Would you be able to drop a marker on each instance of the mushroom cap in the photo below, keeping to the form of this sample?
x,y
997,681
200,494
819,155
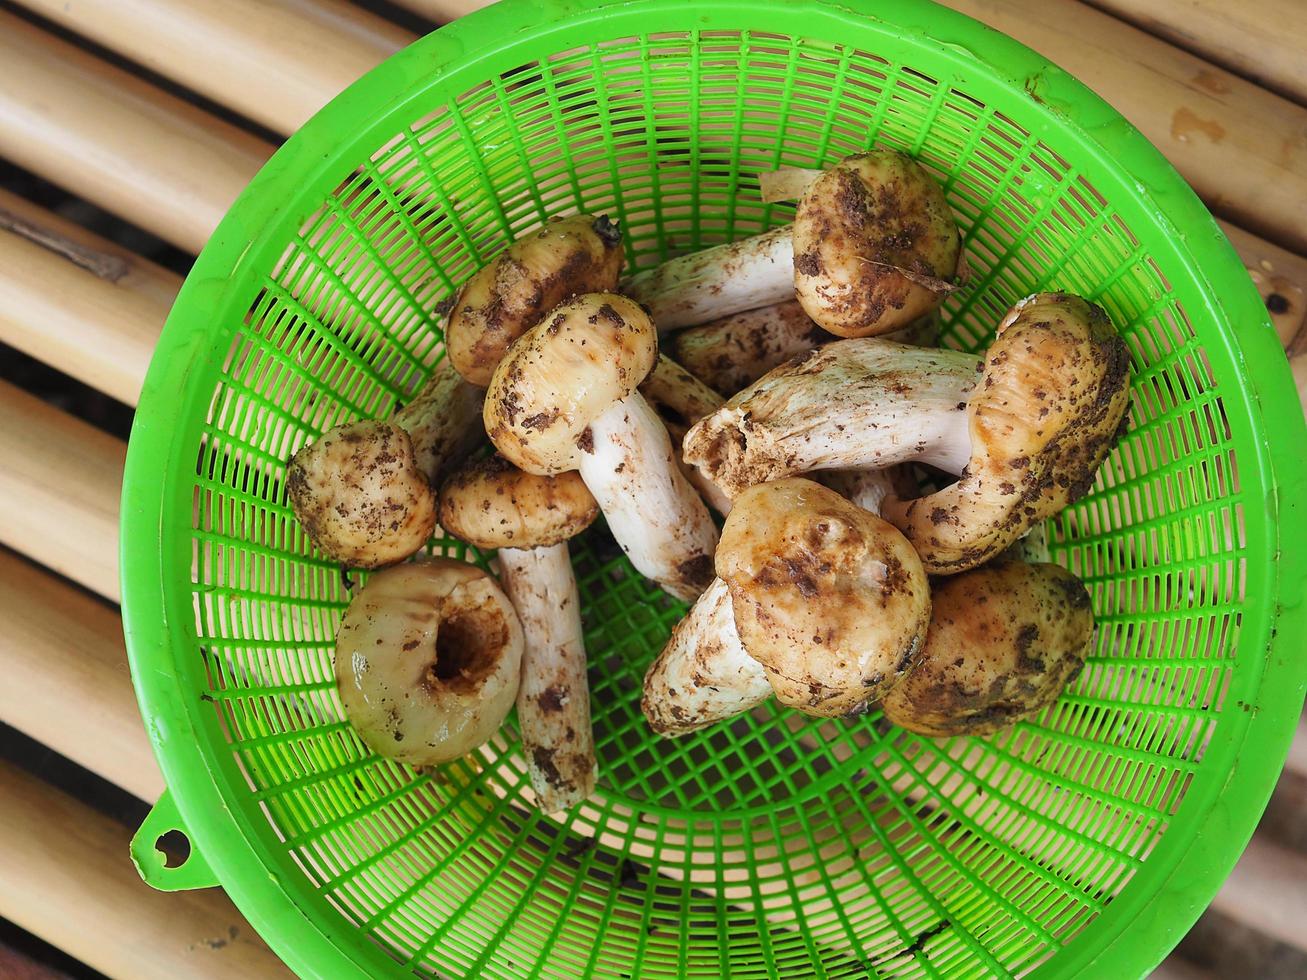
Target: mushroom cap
x,y
577,254
490,503
829,598
587,353
1048,408
875,244
1004,640
359,495
428,660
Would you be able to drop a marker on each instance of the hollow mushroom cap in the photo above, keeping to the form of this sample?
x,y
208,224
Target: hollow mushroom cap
x,y
587,353
1049,406
428,660
875,244
577,254
1004,640
492,504
359,495
829,598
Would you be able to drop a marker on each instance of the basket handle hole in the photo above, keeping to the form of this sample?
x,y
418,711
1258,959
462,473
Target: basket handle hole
x,y
175,848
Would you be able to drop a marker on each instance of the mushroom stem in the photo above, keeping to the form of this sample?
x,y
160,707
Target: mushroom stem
x,y
853,404
553,701
443,420
692,289
732,353
681,400
703,675
628,463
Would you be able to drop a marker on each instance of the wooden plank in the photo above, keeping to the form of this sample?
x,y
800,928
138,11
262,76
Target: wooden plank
x,y
274,61
61,483
117,141
67,879
66,678
1264,40
77,301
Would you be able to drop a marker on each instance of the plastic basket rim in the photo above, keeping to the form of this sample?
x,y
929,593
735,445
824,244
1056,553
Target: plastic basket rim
x,y
1133,933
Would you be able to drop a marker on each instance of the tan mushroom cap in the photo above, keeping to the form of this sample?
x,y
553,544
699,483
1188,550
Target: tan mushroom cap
x,y
578,254
586,354
830,599
875,245
359,495
1050,405
492,504
1004,641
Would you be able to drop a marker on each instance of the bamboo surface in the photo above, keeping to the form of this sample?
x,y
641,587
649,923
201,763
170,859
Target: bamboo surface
x,y
116,140
67,879
75,300
66,678
274,61
61,483
1265,40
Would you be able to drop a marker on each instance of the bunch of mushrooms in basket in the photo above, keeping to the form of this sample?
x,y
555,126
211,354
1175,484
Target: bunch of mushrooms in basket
x,y
834,586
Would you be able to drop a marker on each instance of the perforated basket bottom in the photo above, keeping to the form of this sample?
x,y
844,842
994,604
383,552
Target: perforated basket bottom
x,y
775,845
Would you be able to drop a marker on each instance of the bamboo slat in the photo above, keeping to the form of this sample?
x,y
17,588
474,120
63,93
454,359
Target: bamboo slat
x,y
1265,891
116,140
77,301
1264,40
273,61
67,879
66,678
61,483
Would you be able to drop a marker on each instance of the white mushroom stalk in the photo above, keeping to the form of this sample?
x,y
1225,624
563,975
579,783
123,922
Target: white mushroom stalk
x,y
1025,428
631,468
717,281
703,675
363,491
853,404
553,702
427,660
731,353
829,602
681,400
565,398
493,504
873,247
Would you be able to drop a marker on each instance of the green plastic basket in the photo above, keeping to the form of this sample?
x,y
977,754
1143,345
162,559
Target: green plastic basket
x,y
1082,843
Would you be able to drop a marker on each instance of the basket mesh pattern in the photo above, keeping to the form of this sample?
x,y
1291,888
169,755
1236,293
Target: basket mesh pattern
x,y
775,846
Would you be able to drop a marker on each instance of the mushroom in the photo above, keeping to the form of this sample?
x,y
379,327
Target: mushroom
x,y
493,504
427,660
681,400
1026,427
564,398
817,601
577,254
873,246
363,491
735,351
1004,640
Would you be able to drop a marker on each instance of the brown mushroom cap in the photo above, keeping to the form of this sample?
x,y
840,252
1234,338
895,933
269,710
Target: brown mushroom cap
x,y
492,504
1049,406
359,495
1004,641
830,599
577,254
874,244
586,354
